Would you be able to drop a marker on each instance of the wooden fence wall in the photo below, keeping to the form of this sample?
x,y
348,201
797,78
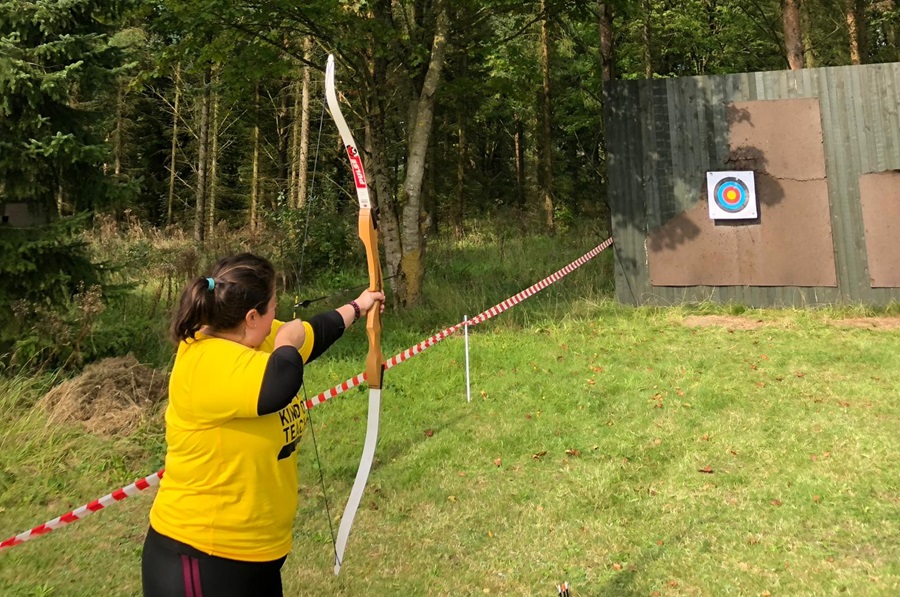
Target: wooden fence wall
x,y
664,135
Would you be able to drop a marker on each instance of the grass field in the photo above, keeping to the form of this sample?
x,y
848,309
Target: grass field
x,y
626,451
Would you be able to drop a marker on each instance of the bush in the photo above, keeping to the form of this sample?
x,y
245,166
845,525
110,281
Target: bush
x,y
47,272
304,246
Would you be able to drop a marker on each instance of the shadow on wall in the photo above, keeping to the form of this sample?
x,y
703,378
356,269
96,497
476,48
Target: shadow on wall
x,y
662,138
696,147
691,178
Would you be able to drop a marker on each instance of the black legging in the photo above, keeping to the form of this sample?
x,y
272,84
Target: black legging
x,y
170,568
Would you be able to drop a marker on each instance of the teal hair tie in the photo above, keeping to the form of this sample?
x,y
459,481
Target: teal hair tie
x,y
210,284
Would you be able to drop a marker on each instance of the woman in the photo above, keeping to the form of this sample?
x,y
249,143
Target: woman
x,y
221,522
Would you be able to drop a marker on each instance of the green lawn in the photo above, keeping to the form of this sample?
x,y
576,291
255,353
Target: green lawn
x,y
617,449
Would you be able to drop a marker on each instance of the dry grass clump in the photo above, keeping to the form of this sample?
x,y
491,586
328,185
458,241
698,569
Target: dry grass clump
x,y
110,398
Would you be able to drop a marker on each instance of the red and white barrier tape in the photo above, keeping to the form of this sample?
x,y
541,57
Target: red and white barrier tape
x,y
480,318
153,480
86,510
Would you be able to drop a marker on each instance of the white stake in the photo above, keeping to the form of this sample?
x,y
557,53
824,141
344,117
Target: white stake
x,y
468,384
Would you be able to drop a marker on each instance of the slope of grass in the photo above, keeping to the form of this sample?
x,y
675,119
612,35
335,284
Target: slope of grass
x,y
617,449
627,453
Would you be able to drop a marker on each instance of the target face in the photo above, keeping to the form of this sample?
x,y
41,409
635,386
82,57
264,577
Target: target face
x,y
732,195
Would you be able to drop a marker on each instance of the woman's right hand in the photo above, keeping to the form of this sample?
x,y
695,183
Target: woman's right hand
x,y
292,333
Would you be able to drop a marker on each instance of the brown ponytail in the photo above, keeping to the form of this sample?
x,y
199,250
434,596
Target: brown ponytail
x,y
238,284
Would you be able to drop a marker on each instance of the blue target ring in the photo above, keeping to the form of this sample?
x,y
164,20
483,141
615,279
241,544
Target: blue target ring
x,y
732,195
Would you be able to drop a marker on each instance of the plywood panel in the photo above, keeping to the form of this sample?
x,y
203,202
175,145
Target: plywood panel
x,y
758,131
880,199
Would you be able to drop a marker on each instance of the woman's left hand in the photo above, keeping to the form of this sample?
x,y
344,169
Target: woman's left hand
x,y
367,299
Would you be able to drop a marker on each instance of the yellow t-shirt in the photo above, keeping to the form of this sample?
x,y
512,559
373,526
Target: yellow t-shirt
x,y
230,486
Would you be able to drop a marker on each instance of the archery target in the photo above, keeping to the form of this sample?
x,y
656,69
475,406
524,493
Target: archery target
x,y
732,195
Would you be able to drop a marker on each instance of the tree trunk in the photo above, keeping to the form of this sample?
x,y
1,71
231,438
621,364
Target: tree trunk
x,y
647,38
546,147
60,195
607,56
459,205
303,159
294,149
457,210
607,45
432,219
119,139
412,263
793,34
213,170
254,182
856,20
853,32
712,28
173,154
892,28
283,127
809,57
378,170
201,191
520,162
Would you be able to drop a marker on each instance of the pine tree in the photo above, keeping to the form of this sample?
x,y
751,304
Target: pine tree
x,y
56,69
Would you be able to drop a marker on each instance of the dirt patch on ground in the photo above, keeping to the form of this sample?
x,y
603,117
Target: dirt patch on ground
x,y
736,322
110,398
731,322
874,323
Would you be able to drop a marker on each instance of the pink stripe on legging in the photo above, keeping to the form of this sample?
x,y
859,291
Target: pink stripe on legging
x,y
186,574
195,568
190,569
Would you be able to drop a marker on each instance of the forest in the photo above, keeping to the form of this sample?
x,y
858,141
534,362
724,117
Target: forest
x,y
686,449
204,121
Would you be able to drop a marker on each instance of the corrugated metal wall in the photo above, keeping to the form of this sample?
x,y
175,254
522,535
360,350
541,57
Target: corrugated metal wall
x,y
663,136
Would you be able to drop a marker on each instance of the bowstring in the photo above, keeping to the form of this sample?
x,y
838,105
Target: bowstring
x,y
312,198
312,432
